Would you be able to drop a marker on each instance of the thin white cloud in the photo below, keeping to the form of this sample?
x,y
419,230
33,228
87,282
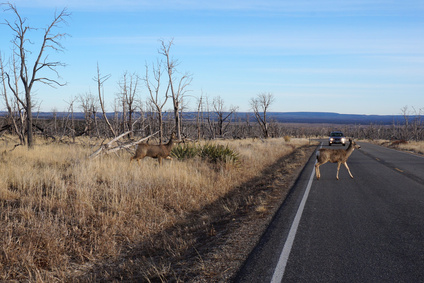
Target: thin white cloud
x,y
286,44
414,71
344,86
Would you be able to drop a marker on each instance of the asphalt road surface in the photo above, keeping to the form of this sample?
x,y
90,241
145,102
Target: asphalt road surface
x,y
366,229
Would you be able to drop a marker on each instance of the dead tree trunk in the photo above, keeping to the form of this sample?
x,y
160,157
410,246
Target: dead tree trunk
x,y
29,76
260,105
178,92
154,88
100,81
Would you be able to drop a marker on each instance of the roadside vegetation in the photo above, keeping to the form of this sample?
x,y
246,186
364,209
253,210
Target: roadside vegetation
x,y
63,215
414,146
411,146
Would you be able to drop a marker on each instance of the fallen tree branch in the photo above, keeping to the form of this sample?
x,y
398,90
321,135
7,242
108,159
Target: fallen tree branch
x,y
107,148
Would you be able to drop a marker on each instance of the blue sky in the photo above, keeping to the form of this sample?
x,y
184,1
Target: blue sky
x,y
351,57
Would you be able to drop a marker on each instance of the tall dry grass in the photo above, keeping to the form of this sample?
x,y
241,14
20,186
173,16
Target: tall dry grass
x,y
414,146
61,212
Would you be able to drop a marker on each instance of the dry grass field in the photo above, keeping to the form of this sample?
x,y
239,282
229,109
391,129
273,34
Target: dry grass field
x,y
414,146
411,146
65,217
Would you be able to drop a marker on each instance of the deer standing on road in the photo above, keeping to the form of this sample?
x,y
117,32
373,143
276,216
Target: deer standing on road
x,y
160,152
335,155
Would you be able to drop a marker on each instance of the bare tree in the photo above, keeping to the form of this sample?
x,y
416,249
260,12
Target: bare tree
x,y
417,125
199,117
28,75
127,99
412,128
88,104
180,88
100,80
223,115
140,107
155,99
405,114
121,102
16,117
70,117
210,120
130,97
260,105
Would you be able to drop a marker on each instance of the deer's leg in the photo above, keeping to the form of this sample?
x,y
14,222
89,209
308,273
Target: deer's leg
x,y
338,169
348,170
317,172
160,160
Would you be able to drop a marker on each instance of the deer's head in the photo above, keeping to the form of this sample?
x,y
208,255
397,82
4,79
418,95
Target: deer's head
x,y
354,144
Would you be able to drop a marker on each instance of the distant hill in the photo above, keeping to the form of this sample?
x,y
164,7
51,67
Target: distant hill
x,y
283,117
326,117
335,118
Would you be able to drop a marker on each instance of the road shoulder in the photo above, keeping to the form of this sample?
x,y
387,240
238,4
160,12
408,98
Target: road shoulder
x,y
263,259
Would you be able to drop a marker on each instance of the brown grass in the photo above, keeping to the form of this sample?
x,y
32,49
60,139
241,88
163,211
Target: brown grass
x,y
414,146
63,215
411,146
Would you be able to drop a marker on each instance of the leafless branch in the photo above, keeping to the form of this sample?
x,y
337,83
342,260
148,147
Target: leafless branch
x,y
51,41
100,81
107,148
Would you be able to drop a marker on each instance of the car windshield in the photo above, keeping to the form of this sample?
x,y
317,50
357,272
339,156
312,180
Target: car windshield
x,y
336,135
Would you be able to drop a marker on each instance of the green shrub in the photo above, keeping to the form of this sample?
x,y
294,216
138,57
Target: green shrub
x,y
219,153
185,151
210,152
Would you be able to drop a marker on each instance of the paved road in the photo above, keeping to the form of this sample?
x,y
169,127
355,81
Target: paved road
x,y
366,229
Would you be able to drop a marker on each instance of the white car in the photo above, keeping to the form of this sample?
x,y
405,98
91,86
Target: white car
x,y
337,138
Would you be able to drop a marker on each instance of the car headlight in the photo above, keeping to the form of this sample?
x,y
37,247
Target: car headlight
x,y
343,139
331,139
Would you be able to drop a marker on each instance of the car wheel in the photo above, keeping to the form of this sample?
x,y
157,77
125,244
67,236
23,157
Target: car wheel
x,y
329,144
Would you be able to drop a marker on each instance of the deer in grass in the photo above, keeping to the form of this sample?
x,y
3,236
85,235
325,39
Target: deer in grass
x,y
160,152
335,155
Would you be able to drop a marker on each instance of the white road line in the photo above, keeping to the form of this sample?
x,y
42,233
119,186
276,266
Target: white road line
x,y
284,257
